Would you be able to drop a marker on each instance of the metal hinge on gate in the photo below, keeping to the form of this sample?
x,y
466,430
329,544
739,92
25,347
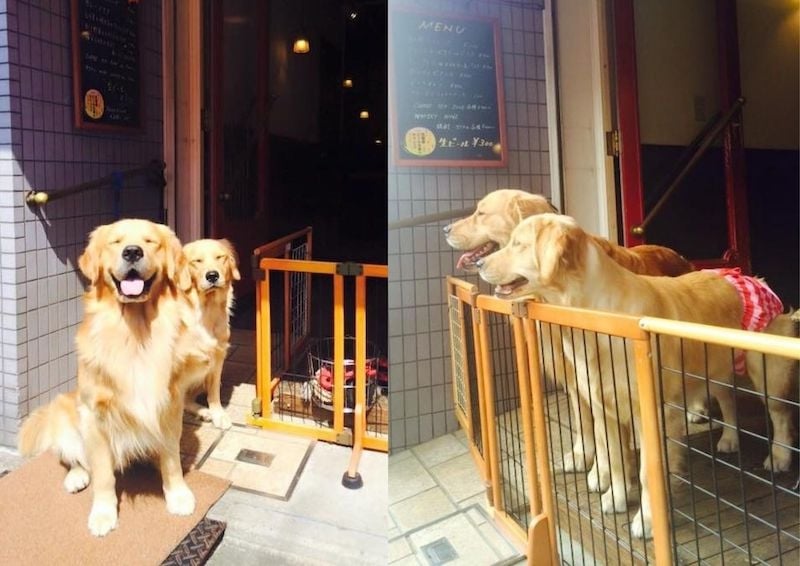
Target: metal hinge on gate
x,y
612,143
349,269
258,273
255,406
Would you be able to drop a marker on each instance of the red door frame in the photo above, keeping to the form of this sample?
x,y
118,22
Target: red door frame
x,y
738,252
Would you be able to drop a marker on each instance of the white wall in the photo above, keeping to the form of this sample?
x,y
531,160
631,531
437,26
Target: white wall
x,y
677,66
769,36
584,112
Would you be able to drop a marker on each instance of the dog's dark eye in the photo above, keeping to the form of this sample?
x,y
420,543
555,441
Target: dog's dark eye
x,y
196,261
115,241
479,213
220,258
149,241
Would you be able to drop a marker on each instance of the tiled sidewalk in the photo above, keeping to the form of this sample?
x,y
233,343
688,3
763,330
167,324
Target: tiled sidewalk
x,y
437,509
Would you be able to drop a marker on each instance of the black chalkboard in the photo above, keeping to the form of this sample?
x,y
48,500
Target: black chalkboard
x,y
447,103
105,64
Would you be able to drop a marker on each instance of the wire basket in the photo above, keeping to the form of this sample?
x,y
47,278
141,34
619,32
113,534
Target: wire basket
x,y
320,371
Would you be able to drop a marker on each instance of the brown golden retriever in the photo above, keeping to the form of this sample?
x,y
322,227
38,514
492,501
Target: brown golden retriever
x,y
140,347
499,212
213,267
550,256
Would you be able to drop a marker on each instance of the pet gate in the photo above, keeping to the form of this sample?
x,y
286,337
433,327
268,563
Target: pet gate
x,y
312,377
719,508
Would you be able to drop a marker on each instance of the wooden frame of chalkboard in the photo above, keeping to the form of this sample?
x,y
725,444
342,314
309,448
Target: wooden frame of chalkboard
x,y
105,98
453,112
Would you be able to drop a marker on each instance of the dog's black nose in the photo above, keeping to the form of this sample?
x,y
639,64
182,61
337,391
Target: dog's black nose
x,y
479,263
212,276
132,253
447,228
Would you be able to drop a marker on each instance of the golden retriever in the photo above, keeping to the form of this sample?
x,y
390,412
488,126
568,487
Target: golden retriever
x,y
499,212
140,347
213,267
490,227
552,257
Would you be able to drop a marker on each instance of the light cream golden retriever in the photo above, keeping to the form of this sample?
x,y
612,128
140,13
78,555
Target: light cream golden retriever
x,y
550,256
490,227
213,267
140,347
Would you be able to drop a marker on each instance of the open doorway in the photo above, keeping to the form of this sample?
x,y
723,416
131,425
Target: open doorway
x,y
708,152
285,144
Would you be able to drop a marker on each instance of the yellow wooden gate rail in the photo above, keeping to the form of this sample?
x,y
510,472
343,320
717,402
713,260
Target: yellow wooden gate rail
x,y
268,377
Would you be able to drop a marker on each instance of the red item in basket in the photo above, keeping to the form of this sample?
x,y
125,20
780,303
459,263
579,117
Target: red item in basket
x,y
326,376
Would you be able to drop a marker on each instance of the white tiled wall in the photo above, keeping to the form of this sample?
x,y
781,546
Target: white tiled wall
x,y
40,148
419,258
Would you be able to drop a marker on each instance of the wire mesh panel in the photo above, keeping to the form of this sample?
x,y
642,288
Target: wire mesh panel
x,y
504,416
732,452
464,357
594,506
299,295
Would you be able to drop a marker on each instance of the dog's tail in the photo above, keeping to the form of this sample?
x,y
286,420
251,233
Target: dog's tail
x,y
53,426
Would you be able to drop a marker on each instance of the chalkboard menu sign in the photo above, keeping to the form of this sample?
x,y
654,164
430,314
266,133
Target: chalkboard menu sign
x,y
446,101
105,64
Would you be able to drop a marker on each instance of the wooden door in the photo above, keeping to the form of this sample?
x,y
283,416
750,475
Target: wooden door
x,y
237,126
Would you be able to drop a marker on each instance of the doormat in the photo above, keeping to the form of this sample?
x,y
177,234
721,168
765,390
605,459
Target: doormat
x,y
198,546
43,524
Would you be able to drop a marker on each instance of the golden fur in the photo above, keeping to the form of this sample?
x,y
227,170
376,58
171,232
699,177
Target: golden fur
x,y
140,347
550,256
213,268
499,212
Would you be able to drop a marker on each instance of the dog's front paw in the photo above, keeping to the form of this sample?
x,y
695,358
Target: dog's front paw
x,y
102,518
728,442
780,460
597,482
180,500
614,501
641,527
575,462
77,478
220,418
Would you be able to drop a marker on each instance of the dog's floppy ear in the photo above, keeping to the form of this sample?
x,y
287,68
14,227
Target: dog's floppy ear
x,y
89,261
523,207
559,249
177,267
233,261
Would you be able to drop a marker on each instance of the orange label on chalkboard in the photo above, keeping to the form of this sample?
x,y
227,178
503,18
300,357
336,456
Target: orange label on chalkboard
x,y
93,104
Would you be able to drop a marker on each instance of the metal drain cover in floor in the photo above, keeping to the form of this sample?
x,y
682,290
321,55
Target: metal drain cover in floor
x,y
439,552
255,457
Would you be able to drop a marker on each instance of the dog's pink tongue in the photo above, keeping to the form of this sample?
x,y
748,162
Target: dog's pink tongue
x,y
132,287
464,259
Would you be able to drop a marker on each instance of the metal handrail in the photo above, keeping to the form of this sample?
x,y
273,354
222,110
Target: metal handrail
x,y
708,136
155,168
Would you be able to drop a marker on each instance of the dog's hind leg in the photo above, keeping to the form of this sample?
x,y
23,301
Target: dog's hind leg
x,y
779,386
